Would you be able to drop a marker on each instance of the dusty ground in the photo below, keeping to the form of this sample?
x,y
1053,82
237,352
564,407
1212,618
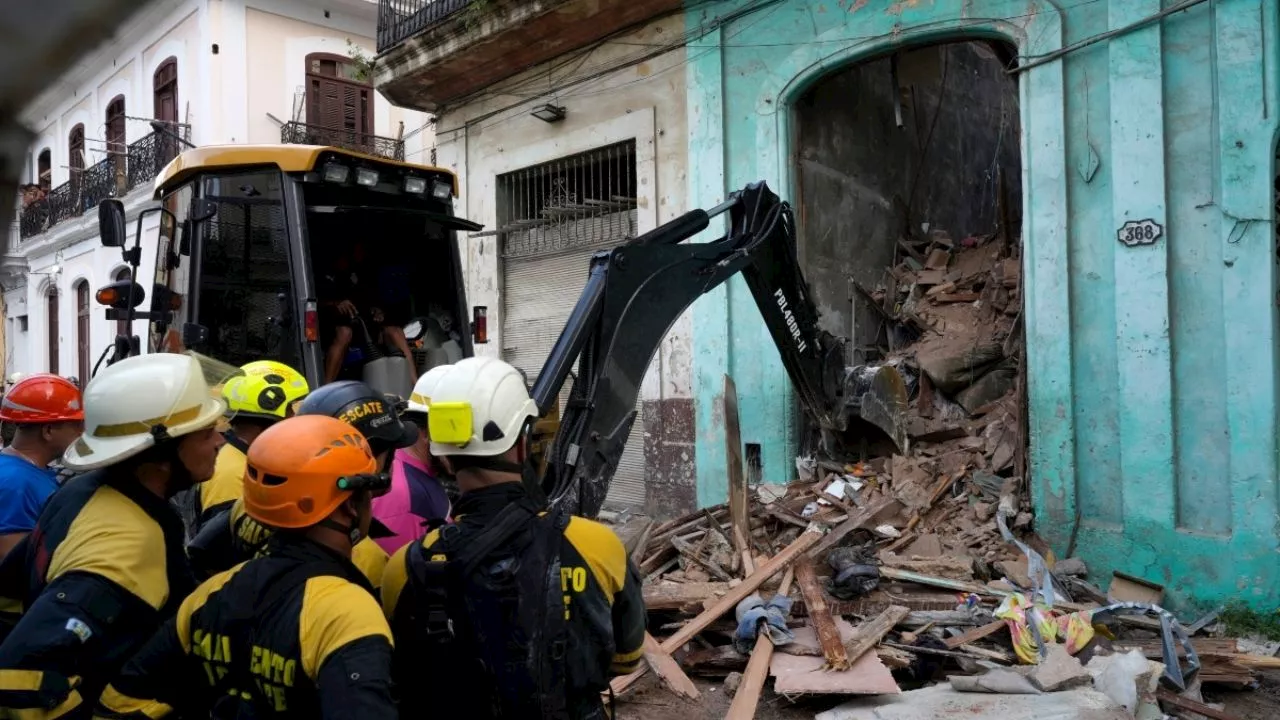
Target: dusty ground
x,y
650,702
1260,704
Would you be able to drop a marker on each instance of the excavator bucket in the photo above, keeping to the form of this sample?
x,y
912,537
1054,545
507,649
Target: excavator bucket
x,y
878,395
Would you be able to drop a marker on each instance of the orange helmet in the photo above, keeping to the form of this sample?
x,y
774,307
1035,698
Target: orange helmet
x,y
42,398
301,469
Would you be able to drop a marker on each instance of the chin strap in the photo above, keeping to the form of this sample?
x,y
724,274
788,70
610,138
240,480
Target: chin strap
x,y
351,531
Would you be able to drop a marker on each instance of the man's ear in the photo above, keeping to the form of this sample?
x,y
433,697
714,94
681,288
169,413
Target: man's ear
x,y
448,466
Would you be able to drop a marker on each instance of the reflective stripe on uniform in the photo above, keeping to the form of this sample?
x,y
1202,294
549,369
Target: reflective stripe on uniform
x,y
114,705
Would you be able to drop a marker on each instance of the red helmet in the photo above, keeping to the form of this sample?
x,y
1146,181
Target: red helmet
x,y
42,398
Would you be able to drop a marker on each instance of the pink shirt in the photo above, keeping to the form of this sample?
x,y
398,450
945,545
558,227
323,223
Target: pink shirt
x,y
415,497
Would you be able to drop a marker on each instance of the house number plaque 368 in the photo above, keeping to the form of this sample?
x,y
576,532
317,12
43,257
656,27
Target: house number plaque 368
x,y
1140,232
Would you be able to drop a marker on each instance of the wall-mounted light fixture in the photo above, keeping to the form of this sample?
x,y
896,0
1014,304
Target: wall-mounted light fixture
x,y
549,113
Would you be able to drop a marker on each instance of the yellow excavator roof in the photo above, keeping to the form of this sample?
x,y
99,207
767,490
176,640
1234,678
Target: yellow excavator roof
x,y
289,158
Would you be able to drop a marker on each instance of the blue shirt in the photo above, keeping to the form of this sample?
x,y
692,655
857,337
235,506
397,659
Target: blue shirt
x,y
24,489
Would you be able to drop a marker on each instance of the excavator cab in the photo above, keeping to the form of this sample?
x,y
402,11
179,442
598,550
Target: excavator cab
x,y
258,244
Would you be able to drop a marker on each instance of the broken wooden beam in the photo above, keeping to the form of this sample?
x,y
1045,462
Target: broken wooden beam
x,y
807,539
1190,705
820,615
974,635
691,553
638,550
738,499
667,669
870,633
858,520
677,596
747,698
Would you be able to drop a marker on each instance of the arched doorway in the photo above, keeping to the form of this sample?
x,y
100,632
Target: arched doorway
x,y
908,180
117,143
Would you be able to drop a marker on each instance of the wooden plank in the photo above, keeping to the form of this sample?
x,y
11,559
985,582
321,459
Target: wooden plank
x,y
1203,646
638,550
968,587
820,615
675,596
1192,706
691,553
860,519
747,698
807,539
667,669
868,634
738,501
974,635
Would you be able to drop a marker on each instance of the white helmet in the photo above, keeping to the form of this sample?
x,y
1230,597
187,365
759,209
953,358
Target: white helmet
x,y
420,398
124,402
478,407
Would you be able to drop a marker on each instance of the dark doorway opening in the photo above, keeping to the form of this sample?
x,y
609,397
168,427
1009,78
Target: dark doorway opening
x,y
909,183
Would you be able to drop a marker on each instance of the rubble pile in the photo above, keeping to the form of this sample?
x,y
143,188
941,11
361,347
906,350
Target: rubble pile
x,y
915,577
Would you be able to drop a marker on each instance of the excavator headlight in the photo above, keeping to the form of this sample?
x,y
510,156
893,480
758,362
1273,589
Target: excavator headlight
x,y
366,177
450,423
442,190
336,172
415,185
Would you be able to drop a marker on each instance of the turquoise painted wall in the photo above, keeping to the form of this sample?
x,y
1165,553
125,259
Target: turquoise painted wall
x,y
1152,370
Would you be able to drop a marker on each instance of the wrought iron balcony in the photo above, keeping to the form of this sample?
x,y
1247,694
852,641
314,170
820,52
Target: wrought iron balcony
x,y
112,177
300,133
436,52
399,20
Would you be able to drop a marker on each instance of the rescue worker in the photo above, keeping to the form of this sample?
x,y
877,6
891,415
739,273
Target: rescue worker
x,y
296,633
417,499
104,565
47,412
510,612
256,400
233,537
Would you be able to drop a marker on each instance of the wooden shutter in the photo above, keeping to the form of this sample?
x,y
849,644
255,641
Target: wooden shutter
x,y
52,308
82,332
165,85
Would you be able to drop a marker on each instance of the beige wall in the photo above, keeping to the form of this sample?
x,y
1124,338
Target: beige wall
x,y
278,47
645,101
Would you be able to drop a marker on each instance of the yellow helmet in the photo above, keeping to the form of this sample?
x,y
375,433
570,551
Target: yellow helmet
x,y
267,390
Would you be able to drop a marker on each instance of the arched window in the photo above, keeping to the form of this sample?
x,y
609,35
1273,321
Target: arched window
x,y
337,97
52,308
122,326
75,152
165,88
82,332
44,169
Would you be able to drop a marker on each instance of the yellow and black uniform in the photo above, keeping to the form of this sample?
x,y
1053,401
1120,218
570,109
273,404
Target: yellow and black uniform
x,y
585,618
296,633
232,537
105,566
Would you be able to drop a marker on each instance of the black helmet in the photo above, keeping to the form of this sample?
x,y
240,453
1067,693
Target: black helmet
x,y
367,410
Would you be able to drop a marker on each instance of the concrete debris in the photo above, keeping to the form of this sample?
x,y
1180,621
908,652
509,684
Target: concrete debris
x,y
909,551
943,701
732,682
1059,671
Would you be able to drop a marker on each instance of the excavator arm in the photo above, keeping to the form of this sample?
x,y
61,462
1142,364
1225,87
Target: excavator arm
x,y
634,294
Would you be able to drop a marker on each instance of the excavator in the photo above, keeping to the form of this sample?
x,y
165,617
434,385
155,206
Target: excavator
x,y
244,231
637,290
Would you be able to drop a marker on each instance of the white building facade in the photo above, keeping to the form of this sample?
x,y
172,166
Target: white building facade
x,y
210,72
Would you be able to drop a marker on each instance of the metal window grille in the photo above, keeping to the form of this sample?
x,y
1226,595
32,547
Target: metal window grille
x,y
581,200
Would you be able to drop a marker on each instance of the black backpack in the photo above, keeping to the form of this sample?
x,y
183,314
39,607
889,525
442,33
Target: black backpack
x,y
488,621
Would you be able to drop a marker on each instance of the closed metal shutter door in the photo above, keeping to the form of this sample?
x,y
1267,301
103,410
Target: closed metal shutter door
x,y
539,293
